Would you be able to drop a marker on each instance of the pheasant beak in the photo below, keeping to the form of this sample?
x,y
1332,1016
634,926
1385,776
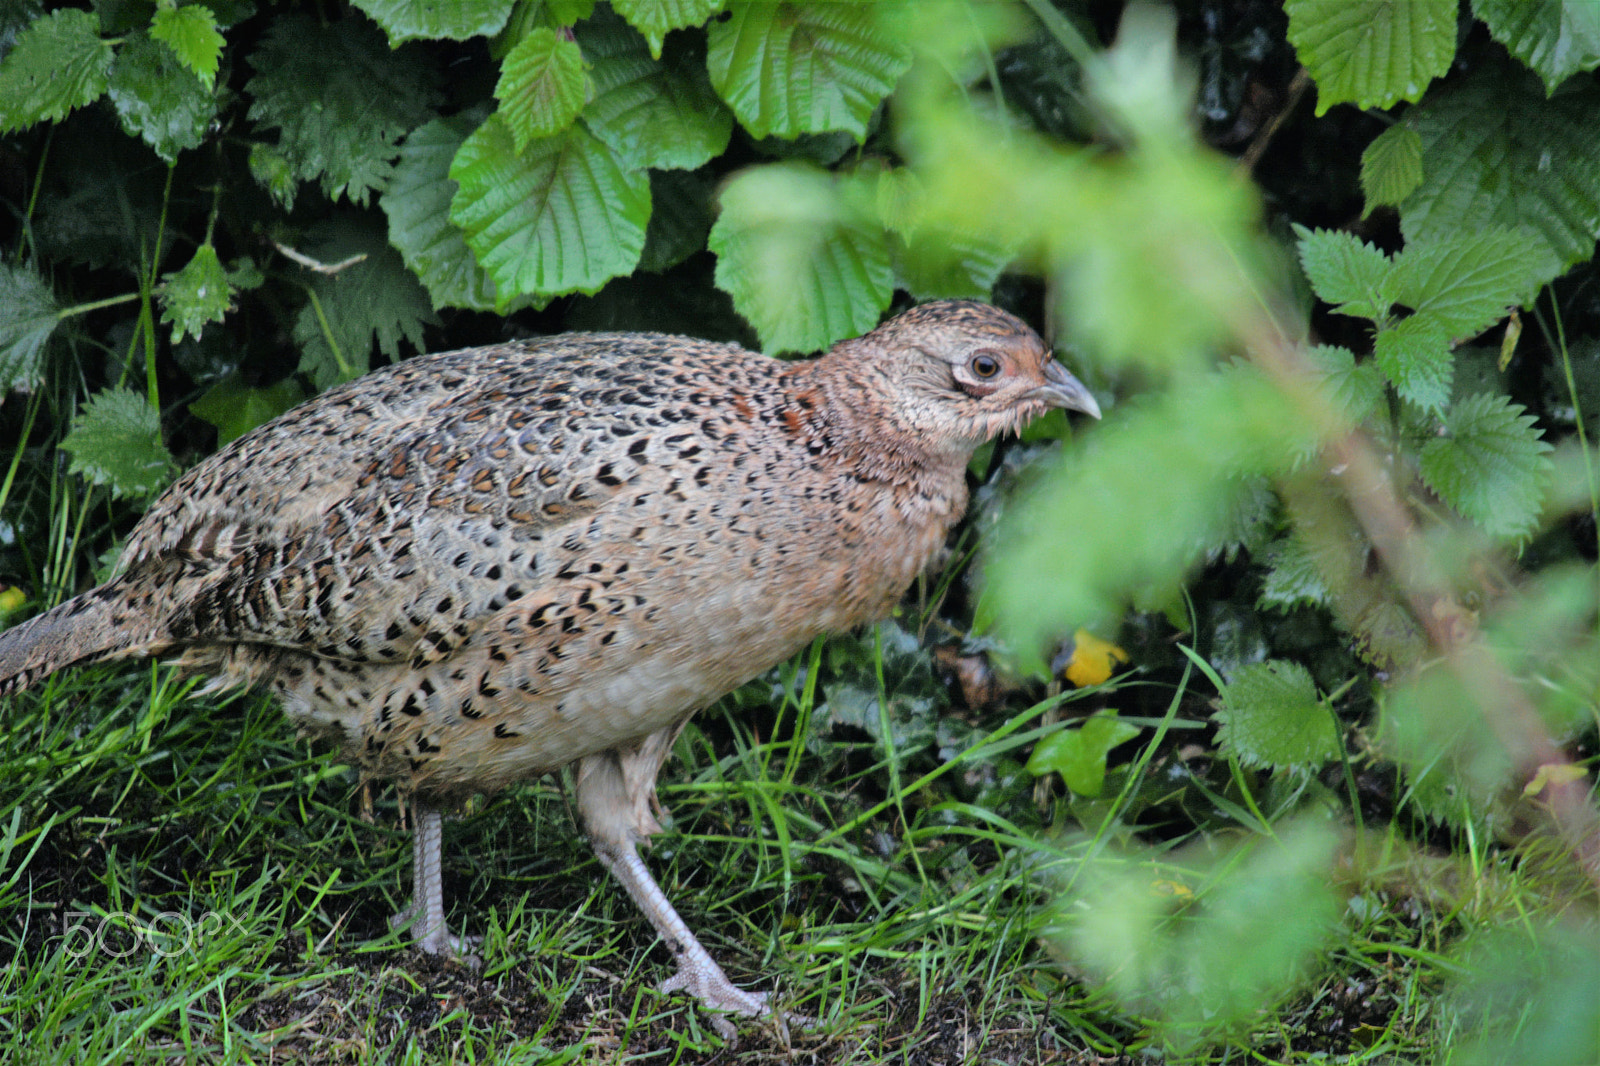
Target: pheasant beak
x,y
1061,389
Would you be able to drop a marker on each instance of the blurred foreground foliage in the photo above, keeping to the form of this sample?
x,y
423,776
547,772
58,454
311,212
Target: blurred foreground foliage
x,y
1327,267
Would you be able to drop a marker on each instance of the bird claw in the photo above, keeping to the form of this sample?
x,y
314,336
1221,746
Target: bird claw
x,y
438,940
715,991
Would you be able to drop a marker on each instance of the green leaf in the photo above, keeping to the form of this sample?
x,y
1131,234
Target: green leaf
x,y
236,408
417,203
27,318
932,260
1346,272
543,85
116,442
652,112
1079,543
932,265
1271,716
376,299
1415,356
191,32
58,63
1557,38
655,18
406,20
1490,465
1495,152
569,12
1200,971
1391,167
158,99
1372,53
793,68
805,267
680,218
1466,283
1292,578
339,99
1354,389
1079,755
274,172
564,216
195,295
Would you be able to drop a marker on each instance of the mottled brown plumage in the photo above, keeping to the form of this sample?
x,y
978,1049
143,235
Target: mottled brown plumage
x,y
476,567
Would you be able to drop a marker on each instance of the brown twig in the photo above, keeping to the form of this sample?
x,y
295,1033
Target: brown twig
x,y
1451,629
1258,144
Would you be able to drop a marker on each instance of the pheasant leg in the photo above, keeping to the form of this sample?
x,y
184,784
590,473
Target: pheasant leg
x,y
698,973
615,793
425,913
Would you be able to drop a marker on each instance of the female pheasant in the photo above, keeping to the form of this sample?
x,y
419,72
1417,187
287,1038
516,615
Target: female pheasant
x,y
472,568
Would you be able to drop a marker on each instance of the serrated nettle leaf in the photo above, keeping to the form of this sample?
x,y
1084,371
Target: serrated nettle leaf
x,y
655,18
543,84
116,442
236,408
566,215
1272,716
1373,53
805,265
58,63
1391,167
1246,518
195,295
1353,389
457,20
274,172
27,318
659,113
1415,356
339,99
158,99
1495,152
1557,38
1292,577
1466,283
376,300
1079,755
1491,465
1346,272
417,203
191,32
793,68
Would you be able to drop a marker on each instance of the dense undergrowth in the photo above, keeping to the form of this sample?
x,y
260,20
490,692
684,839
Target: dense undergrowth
x,y
1260,719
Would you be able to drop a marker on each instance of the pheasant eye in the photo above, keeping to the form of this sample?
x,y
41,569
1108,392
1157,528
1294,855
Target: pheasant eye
x,y
985,366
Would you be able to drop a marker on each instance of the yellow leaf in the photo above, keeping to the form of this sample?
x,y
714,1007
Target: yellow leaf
x,y
1553,773
1093,659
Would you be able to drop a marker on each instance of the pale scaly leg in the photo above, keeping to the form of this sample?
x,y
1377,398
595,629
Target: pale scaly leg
x,y
614,791
425,913
698,973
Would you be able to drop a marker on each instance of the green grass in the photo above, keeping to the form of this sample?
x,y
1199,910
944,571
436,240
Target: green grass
x,y
241,881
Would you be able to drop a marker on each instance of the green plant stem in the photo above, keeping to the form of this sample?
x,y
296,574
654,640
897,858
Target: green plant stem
x,y
95,305
33,193
1560,345
327,334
